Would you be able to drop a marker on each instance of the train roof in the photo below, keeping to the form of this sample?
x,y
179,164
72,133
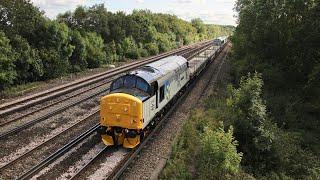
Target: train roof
x,y
221,38
154,71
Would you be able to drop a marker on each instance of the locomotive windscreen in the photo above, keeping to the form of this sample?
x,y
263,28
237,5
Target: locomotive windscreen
x,y
130,82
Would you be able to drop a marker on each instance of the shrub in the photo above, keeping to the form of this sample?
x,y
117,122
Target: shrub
x,y
203,150
130,48
152,48
143,52
218,155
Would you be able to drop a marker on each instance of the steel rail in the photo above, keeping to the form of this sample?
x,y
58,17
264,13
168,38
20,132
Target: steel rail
x,y
100,153
49,105
48,140
45,116
59,152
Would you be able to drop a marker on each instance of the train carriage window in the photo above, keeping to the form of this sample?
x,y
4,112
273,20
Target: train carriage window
x,y
129,81
117,84
161,93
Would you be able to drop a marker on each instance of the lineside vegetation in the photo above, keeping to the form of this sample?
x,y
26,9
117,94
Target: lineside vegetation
x,y
272,102
279,39
35,48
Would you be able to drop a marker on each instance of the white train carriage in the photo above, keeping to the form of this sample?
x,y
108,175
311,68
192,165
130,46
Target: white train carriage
x,y
137,97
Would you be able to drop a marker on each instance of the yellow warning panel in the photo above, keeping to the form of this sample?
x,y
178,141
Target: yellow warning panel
x,y
121,110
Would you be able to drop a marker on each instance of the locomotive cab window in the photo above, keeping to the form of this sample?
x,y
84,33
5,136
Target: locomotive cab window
x,y
117,84
129,81
142,85
161,93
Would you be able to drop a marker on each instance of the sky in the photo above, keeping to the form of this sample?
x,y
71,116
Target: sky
x,y
210,11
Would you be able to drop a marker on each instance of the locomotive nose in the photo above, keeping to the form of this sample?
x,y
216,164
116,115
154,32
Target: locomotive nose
x,y
121,110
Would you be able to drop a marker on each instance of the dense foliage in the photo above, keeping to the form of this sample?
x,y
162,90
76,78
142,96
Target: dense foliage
x,y
33,47
280,39
204,150
268,150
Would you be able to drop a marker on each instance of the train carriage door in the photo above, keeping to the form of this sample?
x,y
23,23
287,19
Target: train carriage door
x,y
155,90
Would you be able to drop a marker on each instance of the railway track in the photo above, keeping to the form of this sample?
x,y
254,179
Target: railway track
x,y
184,52
16,159
65,148
121,167
52,104
123,164
98,155
59,152
23,103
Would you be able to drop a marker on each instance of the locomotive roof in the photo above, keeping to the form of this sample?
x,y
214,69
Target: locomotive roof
x,y
154,71
221,38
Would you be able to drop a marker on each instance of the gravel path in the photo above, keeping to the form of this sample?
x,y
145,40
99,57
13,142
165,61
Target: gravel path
x,y
154,156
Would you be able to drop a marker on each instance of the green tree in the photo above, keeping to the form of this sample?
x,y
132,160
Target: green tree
x,y
78,59
250,121
112,52
20,17
7,60
130,48
28,65
95,50
55,48
201,28
47,48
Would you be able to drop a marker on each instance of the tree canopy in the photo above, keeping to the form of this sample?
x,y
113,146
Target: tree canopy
x,y
280,40
34,47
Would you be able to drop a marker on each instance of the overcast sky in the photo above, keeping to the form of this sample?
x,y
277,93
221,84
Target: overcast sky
x,y
210,11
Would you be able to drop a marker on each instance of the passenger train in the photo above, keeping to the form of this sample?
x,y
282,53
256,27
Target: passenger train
x,y
136,98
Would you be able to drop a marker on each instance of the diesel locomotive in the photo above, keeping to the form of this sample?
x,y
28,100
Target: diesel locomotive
x,y
137,97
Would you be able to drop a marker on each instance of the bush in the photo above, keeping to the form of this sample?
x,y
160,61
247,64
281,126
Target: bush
x,y
143,52
152,48
28,64
164,42
218,156
111,51
130,48
203,150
